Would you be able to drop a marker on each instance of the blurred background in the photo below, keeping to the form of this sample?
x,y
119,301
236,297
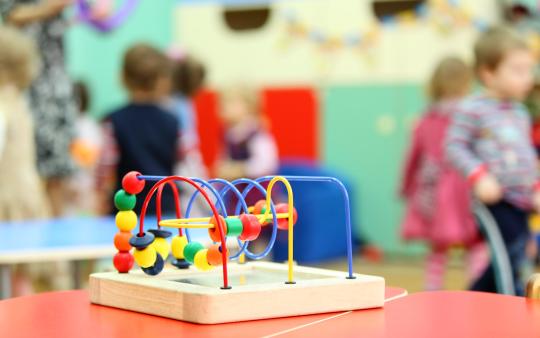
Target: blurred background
x,y
340,85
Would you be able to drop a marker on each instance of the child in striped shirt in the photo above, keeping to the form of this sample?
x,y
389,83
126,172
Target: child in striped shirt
x,y
488,141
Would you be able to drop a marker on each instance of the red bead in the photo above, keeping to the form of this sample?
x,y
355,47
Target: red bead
x,y
214,232
131,184
251,228
123,262
214,256
258,207
121,241
283,223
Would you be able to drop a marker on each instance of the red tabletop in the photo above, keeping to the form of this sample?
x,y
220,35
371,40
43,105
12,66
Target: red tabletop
x,y
428,314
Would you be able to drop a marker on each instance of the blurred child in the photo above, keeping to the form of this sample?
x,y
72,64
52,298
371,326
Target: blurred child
x,y
187,80
85,151
437,197
488,141
250,150
22,194
141,135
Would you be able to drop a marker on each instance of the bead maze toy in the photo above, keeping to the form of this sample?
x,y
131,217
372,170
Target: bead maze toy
x,y
189,290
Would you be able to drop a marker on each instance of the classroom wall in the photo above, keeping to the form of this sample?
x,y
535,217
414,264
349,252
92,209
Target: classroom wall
x,y
366,130
271,55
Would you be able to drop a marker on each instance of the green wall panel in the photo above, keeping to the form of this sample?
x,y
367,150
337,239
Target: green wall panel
x,y
366,131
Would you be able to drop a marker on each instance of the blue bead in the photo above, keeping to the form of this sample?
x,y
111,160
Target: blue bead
x,y
141,242
159,233
156,268
180,263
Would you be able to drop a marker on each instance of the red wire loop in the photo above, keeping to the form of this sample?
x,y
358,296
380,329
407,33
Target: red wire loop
x,y
212,207
174,189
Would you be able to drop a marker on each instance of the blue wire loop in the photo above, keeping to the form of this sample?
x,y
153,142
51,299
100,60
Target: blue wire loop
x,y
241,205
254,184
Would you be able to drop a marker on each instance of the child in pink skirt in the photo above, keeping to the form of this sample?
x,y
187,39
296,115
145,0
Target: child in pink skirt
x,y
437,196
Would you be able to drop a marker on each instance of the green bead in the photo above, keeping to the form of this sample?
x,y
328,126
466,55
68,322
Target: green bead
x,y
124,201
234,227
191,249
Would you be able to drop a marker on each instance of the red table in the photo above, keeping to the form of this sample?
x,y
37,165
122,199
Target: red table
x,y
427,314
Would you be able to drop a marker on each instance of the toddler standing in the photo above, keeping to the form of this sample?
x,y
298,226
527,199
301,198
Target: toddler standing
x,y
437,196
489,142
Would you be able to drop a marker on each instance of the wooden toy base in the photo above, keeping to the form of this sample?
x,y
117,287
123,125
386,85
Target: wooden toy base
x,y
258,291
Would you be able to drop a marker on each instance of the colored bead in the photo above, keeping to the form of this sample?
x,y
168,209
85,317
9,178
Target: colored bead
x,y
145,257
123,262
156,268
259,209
178,244
160,233
121,241
214,256
162,247
126,220
283,223
191,249
259,206
180,263
124,201
200,260
234,227
214,232
251,228
132,184
141,242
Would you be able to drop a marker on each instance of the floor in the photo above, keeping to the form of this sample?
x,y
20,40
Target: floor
x,y
408,271
405,272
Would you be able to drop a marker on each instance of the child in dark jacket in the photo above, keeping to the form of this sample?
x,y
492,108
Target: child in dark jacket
x,y
140,136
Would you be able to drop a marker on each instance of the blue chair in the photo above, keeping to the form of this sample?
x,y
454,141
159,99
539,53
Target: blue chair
x,y
499,255
319,234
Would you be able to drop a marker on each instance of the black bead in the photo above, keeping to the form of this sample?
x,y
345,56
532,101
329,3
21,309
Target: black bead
x,y
156,268
141,242
159,233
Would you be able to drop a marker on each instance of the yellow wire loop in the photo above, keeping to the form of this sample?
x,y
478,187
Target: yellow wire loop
x,y
289,215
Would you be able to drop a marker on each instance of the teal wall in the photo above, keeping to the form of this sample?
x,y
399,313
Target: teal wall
x,y
96,57
371,156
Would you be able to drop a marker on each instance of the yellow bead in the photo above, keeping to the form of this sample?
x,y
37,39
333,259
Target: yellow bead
x,y
162,247
178,245
126,220
146,257
201,261
534,223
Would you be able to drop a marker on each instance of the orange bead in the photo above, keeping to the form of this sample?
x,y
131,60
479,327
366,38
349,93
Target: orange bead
x,y
258,207
121,241
214,232
214,255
